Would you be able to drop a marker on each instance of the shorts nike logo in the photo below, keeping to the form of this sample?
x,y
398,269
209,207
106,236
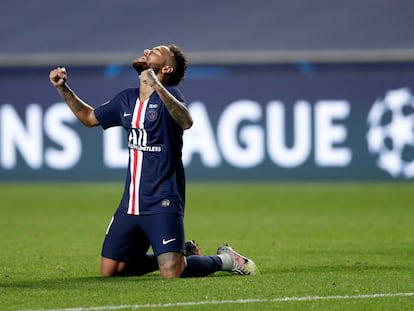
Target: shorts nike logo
x,y
165,242
126,114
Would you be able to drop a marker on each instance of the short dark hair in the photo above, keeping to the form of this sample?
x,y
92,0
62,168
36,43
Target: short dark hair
x,y
180,66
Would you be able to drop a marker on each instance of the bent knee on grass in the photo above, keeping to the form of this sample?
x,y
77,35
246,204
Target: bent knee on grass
x,y
110,267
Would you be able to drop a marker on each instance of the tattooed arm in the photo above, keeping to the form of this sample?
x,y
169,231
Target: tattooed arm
x,y
83,111
177,110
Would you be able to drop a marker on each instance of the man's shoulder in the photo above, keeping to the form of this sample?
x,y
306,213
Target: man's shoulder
x,y
175,91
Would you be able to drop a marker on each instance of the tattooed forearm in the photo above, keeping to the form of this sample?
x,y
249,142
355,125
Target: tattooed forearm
x,y
177,110
80,109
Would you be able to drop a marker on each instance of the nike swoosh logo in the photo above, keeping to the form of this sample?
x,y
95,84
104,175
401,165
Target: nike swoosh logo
x,y
165,242
126,114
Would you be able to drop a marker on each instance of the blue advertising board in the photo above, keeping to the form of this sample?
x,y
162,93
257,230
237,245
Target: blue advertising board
x,y
276,122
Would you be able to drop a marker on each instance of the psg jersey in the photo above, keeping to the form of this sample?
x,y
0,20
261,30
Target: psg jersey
x,y
155,181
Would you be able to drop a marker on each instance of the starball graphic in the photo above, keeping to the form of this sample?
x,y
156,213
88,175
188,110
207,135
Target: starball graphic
x,y
390,133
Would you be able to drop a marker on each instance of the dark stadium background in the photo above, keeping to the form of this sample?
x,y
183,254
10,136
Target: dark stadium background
x,y
206,27
284,50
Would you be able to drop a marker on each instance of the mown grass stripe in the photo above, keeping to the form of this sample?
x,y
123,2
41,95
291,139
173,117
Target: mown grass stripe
x,y
235,301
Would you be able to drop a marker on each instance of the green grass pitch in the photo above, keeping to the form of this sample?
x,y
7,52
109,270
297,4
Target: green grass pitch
x,y
327,246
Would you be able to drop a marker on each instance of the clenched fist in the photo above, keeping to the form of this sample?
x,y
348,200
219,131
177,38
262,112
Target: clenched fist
x,y
58,76
149,77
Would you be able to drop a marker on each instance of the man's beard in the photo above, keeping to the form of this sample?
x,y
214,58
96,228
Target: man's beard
x,y
141,66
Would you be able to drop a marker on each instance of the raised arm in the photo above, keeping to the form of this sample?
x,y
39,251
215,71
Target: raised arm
x,y
177,110
83,111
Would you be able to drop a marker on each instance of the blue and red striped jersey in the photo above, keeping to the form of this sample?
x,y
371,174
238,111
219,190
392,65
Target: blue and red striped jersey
x,y
155,181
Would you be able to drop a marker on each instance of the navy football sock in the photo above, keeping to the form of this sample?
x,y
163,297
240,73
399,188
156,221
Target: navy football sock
x,y
143,265
198,266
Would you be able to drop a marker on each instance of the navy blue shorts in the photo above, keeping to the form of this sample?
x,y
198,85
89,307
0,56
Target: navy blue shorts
x,y
130,236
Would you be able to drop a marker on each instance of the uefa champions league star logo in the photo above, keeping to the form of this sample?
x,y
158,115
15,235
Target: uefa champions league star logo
x,y
390,133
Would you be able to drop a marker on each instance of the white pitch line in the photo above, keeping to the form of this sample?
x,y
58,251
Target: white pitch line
x,y
236,301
